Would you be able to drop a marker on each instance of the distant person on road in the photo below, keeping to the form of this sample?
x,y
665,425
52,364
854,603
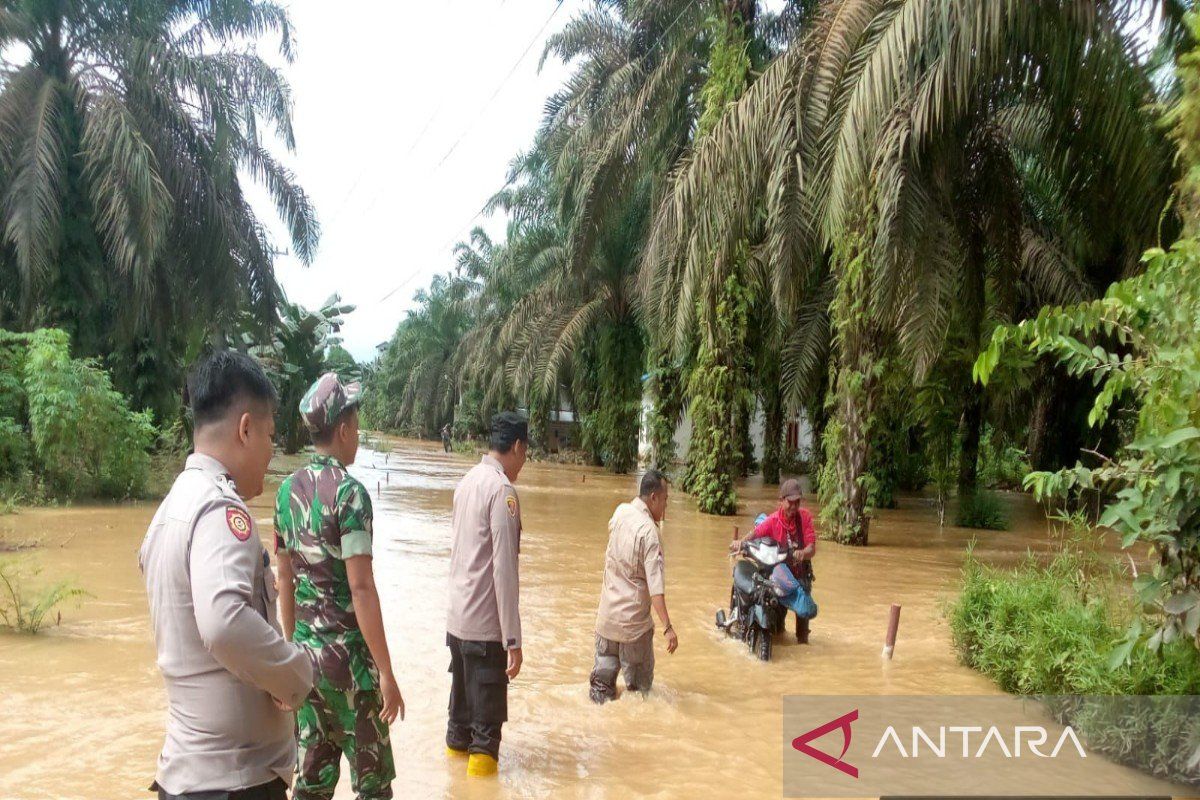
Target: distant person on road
x,y
446,438
483,626
232,679
633,584
792,525
323,535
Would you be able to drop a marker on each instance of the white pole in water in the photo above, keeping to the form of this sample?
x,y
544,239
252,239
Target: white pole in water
x,y
889,644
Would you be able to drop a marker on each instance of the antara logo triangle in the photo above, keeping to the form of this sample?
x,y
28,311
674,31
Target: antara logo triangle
x,y
801,743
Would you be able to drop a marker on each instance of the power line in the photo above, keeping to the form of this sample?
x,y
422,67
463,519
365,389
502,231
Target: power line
x,y
658,41
503,83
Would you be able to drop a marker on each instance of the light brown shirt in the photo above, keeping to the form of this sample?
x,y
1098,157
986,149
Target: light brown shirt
x,y
220,649
484,580
633,573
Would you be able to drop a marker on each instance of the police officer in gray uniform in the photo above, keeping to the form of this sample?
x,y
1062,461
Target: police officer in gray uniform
x,y
232,679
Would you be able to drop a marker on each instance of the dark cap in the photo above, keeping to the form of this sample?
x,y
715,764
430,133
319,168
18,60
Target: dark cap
x,y
790,490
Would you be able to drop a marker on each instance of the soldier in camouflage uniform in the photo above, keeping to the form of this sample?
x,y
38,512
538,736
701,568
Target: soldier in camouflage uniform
x,y
323,531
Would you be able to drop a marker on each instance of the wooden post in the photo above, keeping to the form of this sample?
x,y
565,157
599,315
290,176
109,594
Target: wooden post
x,y
378,491
889,645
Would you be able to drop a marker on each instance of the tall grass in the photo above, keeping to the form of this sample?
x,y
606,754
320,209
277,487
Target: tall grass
x,y
1051,628
24,608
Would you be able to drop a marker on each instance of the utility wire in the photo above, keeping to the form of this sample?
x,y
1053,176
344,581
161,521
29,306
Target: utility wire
x,y
483,109
512,178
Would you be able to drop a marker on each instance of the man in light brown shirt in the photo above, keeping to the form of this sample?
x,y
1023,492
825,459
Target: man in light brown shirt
x,y
483,626
633,584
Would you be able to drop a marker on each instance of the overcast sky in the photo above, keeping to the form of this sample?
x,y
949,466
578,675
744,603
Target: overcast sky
x,y
398,144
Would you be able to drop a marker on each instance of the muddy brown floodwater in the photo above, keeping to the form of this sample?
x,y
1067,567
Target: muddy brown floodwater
x,y
82,705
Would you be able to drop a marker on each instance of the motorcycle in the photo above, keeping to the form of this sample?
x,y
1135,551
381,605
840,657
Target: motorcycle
x,y
755,611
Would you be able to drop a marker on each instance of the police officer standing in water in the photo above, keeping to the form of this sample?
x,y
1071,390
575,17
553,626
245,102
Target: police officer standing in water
x,y
232,679
483,627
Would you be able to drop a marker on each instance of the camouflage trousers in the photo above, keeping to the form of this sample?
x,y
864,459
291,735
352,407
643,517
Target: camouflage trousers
x,y
336,721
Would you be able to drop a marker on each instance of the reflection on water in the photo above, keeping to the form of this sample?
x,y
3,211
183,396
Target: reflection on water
x,y
83,704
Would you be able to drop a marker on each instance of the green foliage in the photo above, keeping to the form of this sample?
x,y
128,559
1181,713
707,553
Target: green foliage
x,y
1051,629
23,608
128,133
844,485
728,69
295,356
1138,342
718,391
1002,465
666,387
612,427
981,509
1183,120
80,438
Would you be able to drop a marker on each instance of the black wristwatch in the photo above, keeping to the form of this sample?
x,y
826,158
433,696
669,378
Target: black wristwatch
x,y
668,628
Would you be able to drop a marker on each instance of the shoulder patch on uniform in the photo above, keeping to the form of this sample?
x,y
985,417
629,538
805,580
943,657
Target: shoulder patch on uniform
x,y
239,522
511,502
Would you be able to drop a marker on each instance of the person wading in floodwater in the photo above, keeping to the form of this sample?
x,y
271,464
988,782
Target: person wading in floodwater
x,y
633,584
232,679
790,525
483,626
324,538
446,438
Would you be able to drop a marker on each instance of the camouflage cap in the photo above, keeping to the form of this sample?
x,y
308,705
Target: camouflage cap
x,y
326,399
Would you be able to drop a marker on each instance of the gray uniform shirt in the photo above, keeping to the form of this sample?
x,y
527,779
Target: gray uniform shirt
x,y
484,582
220,649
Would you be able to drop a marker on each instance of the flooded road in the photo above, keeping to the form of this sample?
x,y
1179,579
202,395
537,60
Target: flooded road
x,y
83,704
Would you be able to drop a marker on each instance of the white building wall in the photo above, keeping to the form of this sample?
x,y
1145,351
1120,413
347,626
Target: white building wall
x,y
683,433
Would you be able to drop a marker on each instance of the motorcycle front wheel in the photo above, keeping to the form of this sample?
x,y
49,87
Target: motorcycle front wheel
x,y
764,646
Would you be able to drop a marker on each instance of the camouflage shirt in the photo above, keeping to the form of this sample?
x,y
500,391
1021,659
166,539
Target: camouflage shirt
x,y
322,517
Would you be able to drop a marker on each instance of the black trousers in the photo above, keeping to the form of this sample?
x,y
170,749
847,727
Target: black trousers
x,y
275,790
478,695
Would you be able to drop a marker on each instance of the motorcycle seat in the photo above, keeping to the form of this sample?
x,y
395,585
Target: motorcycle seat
x,y
743,576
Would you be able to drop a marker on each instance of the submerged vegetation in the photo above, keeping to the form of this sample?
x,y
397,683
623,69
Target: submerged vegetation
x,y
24,608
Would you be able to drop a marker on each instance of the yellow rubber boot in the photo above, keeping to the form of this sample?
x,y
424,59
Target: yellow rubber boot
x,y
481,765
454,752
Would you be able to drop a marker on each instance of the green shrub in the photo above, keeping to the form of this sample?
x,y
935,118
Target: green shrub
x,y
1002,465
982,509
78,435
14,449
24,609
1052,629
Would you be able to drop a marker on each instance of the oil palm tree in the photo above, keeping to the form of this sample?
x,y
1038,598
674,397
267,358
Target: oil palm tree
x,y
417,369
855,151
125,129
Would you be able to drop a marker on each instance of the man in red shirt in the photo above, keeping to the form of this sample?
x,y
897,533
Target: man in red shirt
x,y
790,525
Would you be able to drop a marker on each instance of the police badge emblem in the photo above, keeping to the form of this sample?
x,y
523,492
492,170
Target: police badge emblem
x,y
239,522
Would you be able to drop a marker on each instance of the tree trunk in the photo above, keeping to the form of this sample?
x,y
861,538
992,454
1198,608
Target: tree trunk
x,y
853,414
858,343
666,408
971,425
772,461
970,429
